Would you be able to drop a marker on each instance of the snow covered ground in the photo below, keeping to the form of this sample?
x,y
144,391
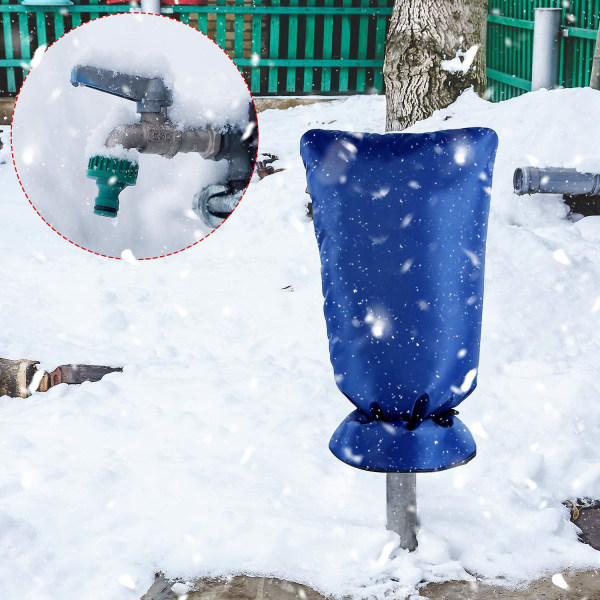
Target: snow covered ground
x,y
208,454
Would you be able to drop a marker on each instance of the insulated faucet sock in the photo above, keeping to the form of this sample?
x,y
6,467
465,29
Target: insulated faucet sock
x,y
401,222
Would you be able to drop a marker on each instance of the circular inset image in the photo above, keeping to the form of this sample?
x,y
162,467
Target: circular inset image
x,y
134,133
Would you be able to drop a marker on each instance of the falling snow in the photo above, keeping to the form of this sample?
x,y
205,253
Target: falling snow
x,y
208,454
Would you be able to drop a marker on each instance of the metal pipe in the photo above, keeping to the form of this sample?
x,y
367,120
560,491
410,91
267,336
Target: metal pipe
x,y
401,496
532,180
155,134
207,142
151,6
546,48
223,206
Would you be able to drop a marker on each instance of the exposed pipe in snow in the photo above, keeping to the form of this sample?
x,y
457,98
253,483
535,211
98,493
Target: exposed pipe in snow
x,y
532,180
546,48
580,191
401,495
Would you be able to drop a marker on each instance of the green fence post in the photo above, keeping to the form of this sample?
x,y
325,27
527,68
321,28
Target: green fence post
x,y
75,19
274,49
203,23
292,48
522,53
363,33
514,56
40,26
94,15
184,17
309,48
327,48
256,50
380,27
221,26
345,47
564,42
8,49
59,23
587,70
25,38
238,25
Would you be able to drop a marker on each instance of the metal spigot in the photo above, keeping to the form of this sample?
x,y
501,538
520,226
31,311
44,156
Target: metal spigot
x,y
157,134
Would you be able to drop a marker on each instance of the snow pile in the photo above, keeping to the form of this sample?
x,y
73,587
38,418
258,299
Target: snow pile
x,y
58,127
208,454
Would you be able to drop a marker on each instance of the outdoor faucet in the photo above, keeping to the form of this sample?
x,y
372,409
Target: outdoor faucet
x,y
155,133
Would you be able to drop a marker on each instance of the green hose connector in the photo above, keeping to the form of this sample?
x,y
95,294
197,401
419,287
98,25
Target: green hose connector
x,y
112,176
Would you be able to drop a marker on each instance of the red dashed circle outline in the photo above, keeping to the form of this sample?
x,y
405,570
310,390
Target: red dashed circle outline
x,y
12,151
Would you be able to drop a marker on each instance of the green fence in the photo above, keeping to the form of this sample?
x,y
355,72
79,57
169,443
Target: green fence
x,y
281,46
510,44
316,46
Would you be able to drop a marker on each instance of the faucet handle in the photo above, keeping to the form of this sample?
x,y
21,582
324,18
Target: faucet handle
x,y
151,95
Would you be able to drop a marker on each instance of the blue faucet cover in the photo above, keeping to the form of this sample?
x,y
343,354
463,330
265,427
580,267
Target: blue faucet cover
x,y
401,223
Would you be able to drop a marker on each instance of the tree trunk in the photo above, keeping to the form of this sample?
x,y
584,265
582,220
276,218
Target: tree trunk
x,y
430,46
595,76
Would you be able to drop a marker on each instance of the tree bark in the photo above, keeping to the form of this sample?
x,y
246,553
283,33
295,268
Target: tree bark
x,y
595,76
422,35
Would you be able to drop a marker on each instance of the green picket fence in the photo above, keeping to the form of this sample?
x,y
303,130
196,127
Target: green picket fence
x,y
510,44
281,46
316,46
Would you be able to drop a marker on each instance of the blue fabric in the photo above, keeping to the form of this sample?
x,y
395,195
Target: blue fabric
x,y
401,223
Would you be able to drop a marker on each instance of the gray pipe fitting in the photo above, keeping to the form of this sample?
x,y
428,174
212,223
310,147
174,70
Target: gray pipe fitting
x,y
155,134
569,182
214,203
